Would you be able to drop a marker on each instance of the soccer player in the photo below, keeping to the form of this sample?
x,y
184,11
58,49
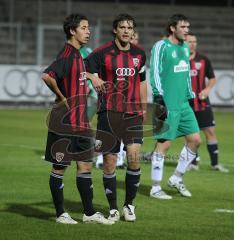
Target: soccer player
x,y
201,69
69,135
171,86
122,107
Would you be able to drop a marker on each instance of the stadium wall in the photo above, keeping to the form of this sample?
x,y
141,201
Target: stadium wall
x,y
23,84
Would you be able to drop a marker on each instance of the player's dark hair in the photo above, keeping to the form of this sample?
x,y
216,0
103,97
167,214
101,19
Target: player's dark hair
x,y
123,17
72,22
192,34
173,21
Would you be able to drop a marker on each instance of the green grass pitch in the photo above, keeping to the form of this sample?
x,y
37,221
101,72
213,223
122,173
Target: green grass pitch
x,y
26,210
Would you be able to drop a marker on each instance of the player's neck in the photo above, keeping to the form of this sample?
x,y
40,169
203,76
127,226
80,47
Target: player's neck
x,y
174,40
192,55
74,43
122,45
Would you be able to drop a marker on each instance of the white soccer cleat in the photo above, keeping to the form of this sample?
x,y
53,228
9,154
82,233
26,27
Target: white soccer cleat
x,y
114,215
97,218
219,168
177,183
159,194
129,213
65,218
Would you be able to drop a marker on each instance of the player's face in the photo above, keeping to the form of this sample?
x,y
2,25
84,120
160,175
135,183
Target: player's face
x,y
192,42
181,30
135,38
124,31
82,32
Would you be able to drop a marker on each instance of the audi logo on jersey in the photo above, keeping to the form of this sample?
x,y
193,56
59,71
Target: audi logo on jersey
x,y
121,72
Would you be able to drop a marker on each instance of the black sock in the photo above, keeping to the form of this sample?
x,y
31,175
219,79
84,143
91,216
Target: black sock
x,y
56,188
214,153
194,162
85,188
109,182
132,181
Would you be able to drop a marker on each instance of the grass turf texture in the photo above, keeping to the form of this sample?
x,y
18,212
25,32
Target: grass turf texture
x,y
26,210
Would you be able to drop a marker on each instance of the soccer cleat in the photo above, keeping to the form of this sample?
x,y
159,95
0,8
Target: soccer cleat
x,y
65,218
129,213
160,194
192,167
114,215
97,218
179,185
219,168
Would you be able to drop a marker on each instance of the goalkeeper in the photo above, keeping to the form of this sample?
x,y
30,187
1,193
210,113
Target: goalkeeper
x,y
171,86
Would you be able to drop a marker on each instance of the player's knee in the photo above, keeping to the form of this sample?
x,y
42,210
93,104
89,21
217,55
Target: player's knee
x,y
109,163
197,140
59,169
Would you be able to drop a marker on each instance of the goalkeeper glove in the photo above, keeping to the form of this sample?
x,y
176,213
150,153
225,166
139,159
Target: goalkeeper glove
x,y
161,109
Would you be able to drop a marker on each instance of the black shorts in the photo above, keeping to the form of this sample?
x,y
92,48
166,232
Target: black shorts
x,y
114,127
61,150
205,118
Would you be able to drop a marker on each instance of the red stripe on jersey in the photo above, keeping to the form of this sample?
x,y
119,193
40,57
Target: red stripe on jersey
x,y
73,88
82,89
201,79
109,82
119,99
194,84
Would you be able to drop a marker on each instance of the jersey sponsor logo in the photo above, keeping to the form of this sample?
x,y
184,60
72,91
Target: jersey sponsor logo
x,y
121,72
181,67
135,62
59,156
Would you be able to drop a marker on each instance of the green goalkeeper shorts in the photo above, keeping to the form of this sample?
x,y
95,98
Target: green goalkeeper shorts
x,y
180,123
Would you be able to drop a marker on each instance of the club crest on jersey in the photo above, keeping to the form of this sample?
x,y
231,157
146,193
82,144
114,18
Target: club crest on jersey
x,y
135,62
197,65
174,55
82,76
59,156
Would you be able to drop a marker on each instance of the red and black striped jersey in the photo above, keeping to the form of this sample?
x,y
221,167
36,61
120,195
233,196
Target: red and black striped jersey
x,y
69,71
201,70
122,72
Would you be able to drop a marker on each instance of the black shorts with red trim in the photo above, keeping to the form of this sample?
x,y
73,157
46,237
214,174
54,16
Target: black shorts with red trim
x,y
205,118
62,149
114,127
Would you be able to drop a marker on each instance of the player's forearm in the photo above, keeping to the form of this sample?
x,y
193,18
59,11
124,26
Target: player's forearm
x,y
211,84
52,85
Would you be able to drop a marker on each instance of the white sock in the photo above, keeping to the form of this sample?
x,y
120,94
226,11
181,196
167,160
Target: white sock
x,y
186,157
157,167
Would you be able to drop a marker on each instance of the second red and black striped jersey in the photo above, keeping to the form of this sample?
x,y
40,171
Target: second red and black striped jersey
x,y
69,71
201,70
122,72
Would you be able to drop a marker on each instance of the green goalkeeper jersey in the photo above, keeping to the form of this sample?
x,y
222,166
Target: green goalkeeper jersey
x,y
170,73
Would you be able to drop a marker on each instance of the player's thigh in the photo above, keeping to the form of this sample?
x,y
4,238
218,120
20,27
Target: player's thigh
x,y
188,123
205,118
172,121
132,129
108,132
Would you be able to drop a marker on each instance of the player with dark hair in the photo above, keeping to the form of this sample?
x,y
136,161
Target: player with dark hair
x,y
69,136
122,107
201,69
171,86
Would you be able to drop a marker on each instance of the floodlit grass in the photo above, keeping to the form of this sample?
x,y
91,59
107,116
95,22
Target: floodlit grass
x,y
26,210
